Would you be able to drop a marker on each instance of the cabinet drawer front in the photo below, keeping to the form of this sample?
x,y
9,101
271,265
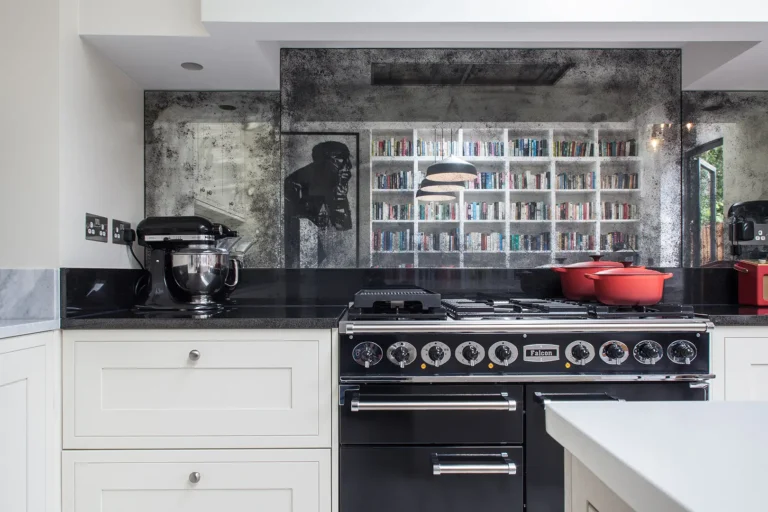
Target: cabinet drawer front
x,y
169,394
162,481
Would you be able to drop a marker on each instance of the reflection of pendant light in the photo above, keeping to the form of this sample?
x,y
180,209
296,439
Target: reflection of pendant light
x,y
428,185
452,169
423,195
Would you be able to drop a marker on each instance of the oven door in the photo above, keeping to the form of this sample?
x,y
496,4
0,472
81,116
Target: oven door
x,y
544,471
431,479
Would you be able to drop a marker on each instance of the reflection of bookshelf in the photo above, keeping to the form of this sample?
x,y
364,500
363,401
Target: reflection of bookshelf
x,y
610,180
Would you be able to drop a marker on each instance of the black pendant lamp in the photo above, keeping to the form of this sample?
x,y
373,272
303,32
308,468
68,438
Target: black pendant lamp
x,y
452,169
423,195
428,185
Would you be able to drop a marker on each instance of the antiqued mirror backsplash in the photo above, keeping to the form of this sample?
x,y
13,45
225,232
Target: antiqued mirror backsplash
x,y
576,152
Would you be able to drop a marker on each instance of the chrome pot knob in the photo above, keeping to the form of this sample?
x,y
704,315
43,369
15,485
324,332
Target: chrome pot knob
x,y
400,354
194,355
614,351
194,477
503,352
470,353
436,354
580,352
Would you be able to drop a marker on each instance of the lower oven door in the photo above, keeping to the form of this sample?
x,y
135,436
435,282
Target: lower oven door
x,y
431,479
544,474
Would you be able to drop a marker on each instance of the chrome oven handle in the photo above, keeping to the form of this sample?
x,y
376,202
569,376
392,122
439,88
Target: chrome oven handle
x,y
546,398
499,402
504,467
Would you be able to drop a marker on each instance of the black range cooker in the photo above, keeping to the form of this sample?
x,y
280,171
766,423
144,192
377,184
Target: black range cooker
x,y
442,401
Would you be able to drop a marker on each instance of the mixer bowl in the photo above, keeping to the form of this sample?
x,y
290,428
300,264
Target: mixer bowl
x,y
201,272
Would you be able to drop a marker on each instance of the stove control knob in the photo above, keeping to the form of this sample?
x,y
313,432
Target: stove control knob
x,y
470,353
648,352
436,353
503,353
367,354
614,352
681,352
580,352
401,353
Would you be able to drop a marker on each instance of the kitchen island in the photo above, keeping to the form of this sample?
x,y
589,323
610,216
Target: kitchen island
x,y
662,456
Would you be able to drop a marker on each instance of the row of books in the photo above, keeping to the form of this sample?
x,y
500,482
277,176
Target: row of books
x,y
446,241
484,242
487,181
528,147
386,211
392,147
529,180
586,181
617,240
538,242
436,148
493,148
439,211
575,211
575,242
620,211
485,211
402,180
574,148
619,181
618,148
392,241
530,211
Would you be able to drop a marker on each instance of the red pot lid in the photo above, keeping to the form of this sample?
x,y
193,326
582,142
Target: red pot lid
x,y
629,271
595,263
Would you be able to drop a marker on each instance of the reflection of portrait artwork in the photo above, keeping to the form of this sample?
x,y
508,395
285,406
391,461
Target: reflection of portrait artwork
x,y
320,199
318,191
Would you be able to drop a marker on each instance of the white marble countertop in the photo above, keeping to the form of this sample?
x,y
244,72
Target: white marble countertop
x,y
671,456
20,327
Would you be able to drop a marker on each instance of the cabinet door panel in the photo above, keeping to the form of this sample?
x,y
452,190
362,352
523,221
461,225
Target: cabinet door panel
x,y
746,369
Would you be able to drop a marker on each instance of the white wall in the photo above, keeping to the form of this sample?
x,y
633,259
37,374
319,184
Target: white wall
x,y
29,133
101,166
141,17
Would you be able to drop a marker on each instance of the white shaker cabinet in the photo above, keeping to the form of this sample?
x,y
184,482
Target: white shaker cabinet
x,y
29,424
745,365
585,492
197,481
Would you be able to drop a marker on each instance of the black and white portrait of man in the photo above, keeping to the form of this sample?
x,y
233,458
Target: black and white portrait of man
x,y
319,191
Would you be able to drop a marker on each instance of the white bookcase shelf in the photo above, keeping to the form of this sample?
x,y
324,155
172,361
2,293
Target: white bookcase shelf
x,y
508,166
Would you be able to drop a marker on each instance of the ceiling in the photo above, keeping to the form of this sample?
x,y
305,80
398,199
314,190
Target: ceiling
x,y
245,56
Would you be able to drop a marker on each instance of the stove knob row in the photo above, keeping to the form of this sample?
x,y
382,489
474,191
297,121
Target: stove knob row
x,y
614,352
470,353
401,353
436,353
648,352
580,352
502,353
681,352
367,354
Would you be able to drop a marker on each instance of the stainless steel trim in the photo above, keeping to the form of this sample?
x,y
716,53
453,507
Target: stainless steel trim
x,y
194,355
699,385
444,379
501,403
527,326
503,468
180,238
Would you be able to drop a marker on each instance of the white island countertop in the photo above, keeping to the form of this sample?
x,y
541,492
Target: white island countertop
x,y
671,456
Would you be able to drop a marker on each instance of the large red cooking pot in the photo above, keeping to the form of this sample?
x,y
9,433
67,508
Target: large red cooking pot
x,y
630,286
575,285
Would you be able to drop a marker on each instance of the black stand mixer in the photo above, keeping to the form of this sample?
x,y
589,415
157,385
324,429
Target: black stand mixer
x,y
187,267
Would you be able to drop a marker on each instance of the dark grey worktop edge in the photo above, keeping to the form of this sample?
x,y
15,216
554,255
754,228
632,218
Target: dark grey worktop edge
x,y
191,323
739,320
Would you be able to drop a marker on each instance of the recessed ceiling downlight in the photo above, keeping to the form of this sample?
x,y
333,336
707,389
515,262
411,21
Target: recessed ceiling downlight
x,y
191,66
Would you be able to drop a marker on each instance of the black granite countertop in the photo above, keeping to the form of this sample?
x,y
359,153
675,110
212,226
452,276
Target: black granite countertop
x,y
233,317
733,314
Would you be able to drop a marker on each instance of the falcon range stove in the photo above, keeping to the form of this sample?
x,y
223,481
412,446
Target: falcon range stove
x,y
441,401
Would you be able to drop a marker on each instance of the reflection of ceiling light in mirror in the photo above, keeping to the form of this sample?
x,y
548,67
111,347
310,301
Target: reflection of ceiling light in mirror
x,y
192,66
452,169
423,195
654,143
689,126
251,125
428,185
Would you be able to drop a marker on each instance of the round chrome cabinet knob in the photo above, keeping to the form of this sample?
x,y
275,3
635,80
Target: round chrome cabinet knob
x,y
681,352
194,477
614,352
579,352
502,353
470,353
401,353
436,353
648,352
194,355
367,354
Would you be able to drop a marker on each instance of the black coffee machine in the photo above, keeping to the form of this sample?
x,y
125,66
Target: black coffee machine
x,y
748,229
187,267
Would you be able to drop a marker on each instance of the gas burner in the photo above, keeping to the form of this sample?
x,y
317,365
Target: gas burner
x,y
509,309
383,313
639,312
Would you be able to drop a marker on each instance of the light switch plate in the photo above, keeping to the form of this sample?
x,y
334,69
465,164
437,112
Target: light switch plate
x,y
118,226
96,228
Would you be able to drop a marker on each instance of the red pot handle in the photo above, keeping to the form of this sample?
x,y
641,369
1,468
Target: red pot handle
x,y
664,277
593,277
741,269
559,269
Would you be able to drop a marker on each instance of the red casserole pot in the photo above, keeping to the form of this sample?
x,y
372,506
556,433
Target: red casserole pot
x,y
574,283
632,286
